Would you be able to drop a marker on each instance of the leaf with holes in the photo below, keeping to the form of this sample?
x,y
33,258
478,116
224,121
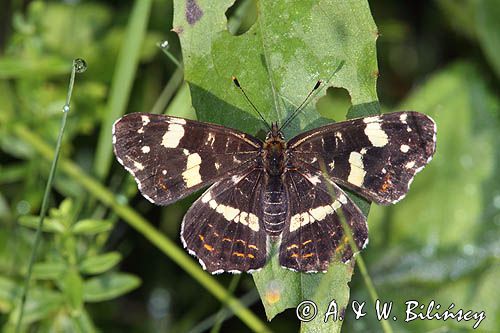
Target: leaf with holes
x,y
277,61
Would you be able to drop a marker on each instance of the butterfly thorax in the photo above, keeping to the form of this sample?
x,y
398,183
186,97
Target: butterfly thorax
x,y
273,154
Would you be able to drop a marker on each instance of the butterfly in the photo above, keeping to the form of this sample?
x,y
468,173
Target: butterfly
x,y
273,190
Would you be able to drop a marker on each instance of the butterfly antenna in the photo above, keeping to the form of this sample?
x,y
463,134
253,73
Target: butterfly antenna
x,y
300,107
306,100
237,84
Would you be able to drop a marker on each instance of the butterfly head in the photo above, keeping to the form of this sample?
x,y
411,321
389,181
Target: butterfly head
x,y
275,134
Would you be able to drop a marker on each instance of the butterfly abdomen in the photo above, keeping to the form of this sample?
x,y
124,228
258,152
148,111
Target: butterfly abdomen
x,y
275,205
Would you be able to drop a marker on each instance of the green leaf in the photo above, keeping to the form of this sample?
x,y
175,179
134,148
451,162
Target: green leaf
x,y
51,270
100,263
9,293
488,27
49,225
278,61
72,286
92,227
109,286
40,304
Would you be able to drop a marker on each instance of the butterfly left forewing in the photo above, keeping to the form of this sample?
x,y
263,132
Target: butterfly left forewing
x,y
172,157
377,157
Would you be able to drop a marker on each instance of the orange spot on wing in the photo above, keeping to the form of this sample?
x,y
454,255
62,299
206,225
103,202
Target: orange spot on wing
x,y
238,254
294,255
251,256
241,241
225,239
307,242
201,238
251,246
308,255
293,246
208,247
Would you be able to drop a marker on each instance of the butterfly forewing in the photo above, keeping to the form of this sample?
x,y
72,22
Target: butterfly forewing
x,y
172,157
375,156
224,226
314,234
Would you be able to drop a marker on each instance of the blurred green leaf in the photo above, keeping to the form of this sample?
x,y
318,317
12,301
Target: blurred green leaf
x,y
41,303
92,227
277,62
49,224
19,68
50,270
109,286
488,31
100,263
72,285
9,293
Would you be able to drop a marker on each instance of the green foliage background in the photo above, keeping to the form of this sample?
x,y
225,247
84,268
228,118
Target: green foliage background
x,y
441,243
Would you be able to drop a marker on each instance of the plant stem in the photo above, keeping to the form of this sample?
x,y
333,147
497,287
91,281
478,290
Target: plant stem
x,y
45,200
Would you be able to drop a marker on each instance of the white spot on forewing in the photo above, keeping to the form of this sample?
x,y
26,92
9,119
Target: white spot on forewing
x,y
138,165
145,149
363,151
192,174
403,117
185,152
140,130
145,120
357,172
180,121
410,164
211,139
217,165
164,172
376,134
173,135
375,119
332,165
404,148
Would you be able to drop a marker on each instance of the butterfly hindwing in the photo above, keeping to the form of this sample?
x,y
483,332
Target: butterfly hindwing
x,y
223,228
374,156
172,157
313,234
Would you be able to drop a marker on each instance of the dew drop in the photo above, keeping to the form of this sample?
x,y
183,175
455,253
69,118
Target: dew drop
x,y
164,45
23,207
80,65
496,201
66,108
